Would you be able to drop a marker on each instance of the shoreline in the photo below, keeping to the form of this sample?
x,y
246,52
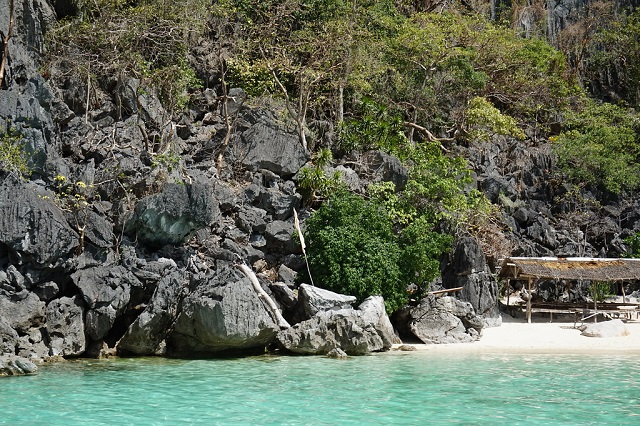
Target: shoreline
x,y
516,336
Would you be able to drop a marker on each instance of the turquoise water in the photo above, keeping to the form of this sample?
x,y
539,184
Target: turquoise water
x,y
402,389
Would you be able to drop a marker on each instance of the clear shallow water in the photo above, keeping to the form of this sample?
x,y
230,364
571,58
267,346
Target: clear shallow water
x,y
402,389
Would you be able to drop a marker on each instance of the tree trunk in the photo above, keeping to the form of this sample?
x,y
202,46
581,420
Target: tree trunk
x,y
271,305
5,53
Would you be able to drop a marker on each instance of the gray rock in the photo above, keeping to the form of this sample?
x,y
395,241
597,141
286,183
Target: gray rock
x,y
613,328
374,312
284,296
23,314
279,236
287,275
251,219
444,320
467,268
65,326
8,338
279,204
11,365
267,147
106,291
32,225
222,314
172,215
346,329
381,167
147,333
314,299
337,353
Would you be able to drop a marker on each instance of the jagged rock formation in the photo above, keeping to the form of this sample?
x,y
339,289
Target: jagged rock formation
x,y
467,268
141,259
333,326
441,320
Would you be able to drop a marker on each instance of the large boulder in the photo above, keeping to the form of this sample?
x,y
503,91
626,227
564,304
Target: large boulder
x,y
24,314
224,313
173,214
106,291
147,333
32,225
345,329
467,267
65,326
613,328
267,147
315,299
374,312
442,320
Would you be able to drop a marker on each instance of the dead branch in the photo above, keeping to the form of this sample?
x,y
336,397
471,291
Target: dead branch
x,y
430,136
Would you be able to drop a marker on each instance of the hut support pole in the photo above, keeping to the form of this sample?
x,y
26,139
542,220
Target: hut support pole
x,y
529,301
624,296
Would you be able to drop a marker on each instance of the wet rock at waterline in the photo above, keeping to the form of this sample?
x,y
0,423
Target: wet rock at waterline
x,y
441,320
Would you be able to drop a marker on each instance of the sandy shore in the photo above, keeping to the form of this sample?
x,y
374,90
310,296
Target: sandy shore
x,y
517,336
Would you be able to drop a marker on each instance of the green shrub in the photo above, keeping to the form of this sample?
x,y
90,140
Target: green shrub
x,y
13,158
352,250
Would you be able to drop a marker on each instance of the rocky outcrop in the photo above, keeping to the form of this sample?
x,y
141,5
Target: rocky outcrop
x,y
65,327
315,299
264,147
345,329
106,291
441,320
467,268
147,334
31,225
613,328
171,215
223,313
334,325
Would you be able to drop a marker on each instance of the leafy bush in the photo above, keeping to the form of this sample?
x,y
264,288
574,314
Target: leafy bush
x,y
352,250
634,245
13,158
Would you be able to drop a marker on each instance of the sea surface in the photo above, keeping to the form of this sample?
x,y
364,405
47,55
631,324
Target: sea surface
x,y
385,389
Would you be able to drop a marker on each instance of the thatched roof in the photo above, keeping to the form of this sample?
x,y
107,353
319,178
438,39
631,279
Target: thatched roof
x,y
571,268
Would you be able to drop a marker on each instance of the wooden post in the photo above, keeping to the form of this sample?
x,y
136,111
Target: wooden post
x,y
624,296
508,292
529,301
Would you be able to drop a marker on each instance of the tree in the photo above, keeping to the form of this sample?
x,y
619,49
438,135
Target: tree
x,y
5,43
601,146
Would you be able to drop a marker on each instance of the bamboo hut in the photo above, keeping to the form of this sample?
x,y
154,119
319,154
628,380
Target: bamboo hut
x,y
532,269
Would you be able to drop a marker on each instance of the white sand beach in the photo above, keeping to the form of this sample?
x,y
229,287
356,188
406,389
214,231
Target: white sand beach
x,y
518,336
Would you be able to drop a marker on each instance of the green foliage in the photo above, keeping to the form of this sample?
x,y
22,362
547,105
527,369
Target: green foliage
x,y
616,53
375,128
421,249
483,119
634,245
315,182
352,250
148,40
13,158
600,290
601,147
